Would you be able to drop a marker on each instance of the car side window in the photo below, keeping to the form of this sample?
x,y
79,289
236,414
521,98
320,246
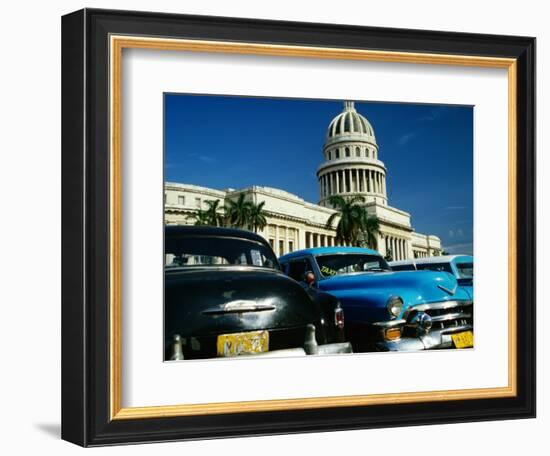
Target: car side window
x,y
297,269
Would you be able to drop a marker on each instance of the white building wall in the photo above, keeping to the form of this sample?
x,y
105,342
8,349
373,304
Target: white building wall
x,y
295,223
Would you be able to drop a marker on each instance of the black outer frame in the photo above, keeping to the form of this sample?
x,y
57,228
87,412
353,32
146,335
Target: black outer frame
x,y
85,227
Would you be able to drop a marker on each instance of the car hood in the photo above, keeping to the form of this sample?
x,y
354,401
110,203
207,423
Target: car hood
x,y
223,300
415,287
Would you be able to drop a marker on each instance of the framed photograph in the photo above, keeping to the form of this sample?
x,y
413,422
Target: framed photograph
x,y
275,227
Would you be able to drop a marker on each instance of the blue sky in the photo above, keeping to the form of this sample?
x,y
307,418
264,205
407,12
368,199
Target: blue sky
x,y
221,142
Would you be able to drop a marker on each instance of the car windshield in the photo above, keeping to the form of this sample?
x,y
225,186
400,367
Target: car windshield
x,y
465,270
331,265
193,251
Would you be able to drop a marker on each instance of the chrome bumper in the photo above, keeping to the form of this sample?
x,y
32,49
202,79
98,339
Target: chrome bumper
x,y
433,340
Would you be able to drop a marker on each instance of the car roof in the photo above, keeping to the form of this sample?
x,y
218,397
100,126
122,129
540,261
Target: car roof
x,y
198,230
429,260
327,251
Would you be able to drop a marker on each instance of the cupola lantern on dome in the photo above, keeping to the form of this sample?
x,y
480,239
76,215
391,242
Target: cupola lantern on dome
x,y
351,165
349,106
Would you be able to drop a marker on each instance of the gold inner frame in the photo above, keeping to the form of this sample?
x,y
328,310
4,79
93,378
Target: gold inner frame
x,y
117,44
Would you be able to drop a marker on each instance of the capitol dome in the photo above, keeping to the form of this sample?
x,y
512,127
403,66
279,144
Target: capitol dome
x,y
351,165
350,122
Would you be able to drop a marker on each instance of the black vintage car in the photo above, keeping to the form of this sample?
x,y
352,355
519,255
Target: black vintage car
x,y
225,295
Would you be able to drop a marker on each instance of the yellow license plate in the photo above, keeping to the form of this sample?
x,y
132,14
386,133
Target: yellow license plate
x,y
463,339
245,343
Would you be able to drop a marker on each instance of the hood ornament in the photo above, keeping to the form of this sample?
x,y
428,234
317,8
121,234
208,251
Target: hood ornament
x,y
447,290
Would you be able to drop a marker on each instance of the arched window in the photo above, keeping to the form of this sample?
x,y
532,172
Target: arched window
x,y
330,155
347,151
337,153
367,152
357,151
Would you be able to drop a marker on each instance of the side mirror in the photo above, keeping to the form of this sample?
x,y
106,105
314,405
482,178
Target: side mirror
x,y
309,278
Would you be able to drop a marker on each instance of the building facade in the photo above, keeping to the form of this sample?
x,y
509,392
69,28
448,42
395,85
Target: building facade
x,y
350,167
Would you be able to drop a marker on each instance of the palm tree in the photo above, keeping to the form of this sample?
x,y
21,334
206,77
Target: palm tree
x,y
370,227
213,215
238,212
257,216
355,226
201,217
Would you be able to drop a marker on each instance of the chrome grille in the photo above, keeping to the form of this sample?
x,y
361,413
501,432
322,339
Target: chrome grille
x,y
444,315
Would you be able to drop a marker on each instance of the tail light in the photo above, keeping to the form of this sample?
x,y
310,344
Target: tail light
x,y
339,317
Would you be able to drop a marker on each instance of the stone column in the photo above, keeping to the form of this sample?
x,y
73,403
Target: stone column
x,y
372,185
381,247
369,180
276,246
401,249
396,242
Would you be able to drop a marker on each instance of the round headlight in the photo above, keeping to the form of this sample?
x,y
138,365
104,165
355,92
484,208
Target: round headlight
x,y
394,306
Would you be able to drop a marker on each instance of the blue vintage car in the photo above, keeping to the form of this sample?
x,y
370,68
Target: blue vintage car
x,y
387,310
461,266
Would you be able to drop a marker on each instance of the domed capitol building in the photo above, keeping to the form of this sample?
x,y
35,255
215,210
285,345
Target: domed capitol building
x,y
351,166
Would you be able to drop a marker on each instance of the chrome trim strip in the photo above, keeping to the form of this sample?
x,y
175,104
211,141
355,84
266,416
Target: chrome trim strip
x,y
442,305
389,324
238,309
451,316
454,329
